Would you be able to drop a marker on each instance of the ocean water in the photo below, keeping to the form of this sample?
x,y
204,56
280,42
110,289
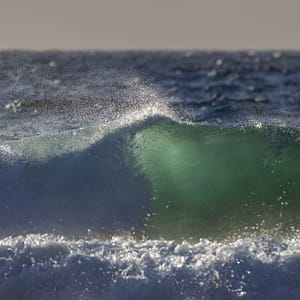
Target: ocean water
x,y
149,175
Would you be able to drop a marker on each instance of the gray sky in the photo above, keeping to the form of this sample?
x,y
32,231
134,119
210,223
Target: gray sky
x,y
149,24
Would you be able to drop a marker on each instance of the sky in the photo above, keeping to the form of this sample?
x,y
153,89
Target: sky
x,y
149,24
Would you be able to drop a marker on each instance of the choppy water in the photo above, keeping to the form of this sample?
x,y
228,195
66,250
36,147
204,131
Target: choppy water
x,y
149,175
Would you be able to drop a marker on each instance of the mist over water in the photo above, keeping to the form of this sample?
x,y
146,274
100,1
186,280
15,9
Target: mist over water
x,y
149,175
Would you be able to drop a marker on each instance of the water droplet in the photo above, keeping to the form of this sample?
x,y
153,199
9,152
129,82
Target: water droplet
x,y
219,62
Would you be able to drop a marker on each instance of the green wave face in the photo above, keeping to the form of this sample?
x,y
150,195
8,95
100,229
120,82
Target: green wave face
x,y
213,182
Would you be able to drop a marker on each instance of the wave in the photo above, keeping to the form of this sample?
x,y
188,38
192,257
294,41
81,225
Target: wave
x,y
154,178
149,175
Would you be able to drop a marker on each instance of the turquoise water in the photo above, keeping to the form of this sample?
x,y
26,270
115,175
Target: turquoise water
x,y
209,182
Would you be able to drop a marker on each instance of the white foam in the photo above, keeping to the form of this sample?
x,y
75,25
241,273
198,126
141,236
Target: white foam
x,y
50,267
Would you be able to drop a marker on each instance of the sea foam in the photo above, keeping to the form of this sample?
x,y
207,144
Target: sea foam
x,y
51,267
